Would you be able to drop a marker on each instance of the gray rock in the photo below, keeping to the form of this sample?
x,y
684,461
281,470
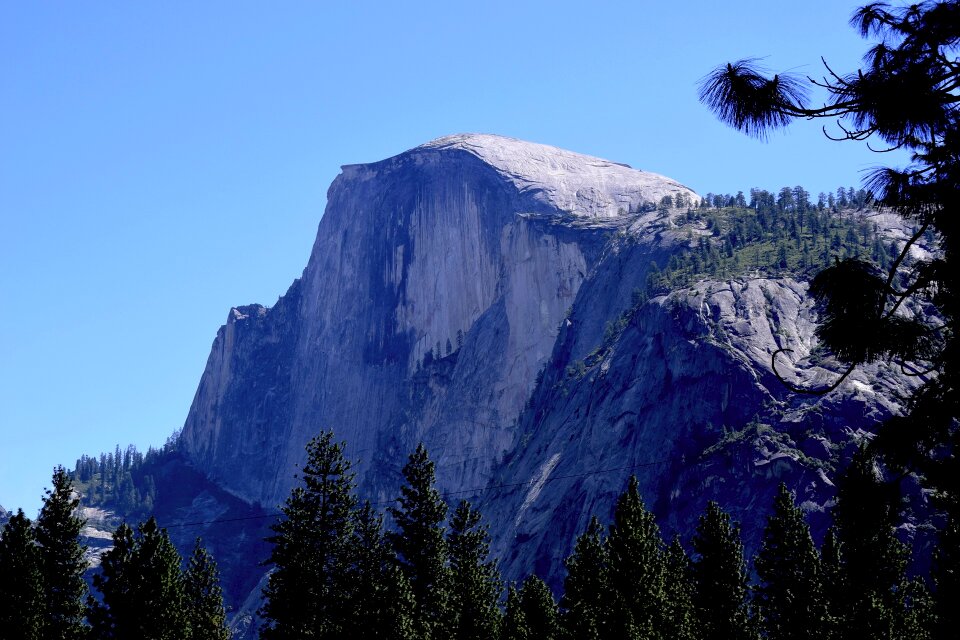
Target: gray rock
x,y
555,387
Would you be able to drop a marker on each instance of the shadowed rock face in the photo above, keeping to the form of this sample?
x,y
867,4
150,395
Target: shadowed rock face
x,y
476,294
476,243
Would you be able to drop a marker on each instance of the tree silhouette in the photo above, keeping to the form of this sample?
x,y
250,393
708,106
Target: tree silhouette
x,y
206,617
21,590
311,549
539,609
475,580
381,600
905,96
720,578
790,599
586,596
62,561
637,568
142,588
420,543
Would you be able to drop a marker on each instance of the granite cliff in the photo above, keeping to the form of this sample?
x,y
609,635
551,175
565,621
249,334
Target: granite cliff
x,y
479,294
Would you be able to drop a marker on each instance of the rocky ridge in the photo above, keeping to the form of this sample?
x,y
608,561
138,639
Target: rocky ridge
x,y
479,294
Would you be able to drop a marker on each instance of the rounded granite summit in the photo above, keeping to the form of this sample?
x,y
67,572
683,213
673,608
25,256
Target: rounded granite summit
x,y
572,182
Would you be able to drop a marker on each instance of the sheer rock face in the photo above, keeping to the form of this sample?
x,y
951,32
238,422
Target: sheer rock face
x,y
471,248
557,383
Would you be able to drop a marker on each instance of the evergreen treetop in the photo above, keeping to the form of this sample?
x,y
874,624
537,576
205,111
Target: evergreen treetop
x,y
421,545
720,578
141,586
312,542
475,580
62,561
790,599
206,617
21,587
586,595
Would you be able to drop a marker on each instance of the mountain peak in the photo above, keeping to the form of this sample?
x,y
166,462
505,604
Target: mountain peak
x,y
580,184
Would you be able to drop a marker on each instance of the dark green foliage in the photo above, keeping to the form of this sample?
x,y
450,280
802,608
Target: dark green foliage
x,y
720,578
21,590
514,626
62,561
586,596
637,563
679,615
877,595
834,582
420,544
206,618
789,599
946,579
123,481
767,238
311,549
475,581
539,610
381,600
141,587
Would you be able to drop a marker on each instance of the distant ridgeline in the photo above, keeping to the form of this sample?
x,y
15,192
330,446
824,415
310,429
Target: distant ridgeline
x,y
123,481
783,234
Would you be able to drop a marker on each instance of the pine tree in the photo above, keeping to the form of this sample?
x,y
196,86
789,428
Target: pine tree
x,y
110,616
311,550
420,544
720,578
206,617
679,615
873,561
381,599
142,588
475,580
637,566
514,626
539,609
946,579
62,561
834,582
790,599
586,595
21,589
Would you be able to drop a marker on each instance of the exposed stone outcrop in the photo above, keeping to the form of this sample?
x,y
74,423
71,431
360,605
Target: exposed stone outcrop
x,y
475,244
477,294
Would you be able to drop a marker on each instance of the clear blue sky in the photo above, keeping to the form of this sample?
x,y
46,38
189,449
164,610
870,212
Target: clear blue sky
x,y
160,164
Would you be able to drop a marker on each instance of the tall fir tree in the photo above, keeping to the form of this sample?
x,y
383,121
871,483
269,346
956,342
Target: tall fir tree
x,y
311,550
946,578
421,544
475,580
62,561
873,561
381,599
878,600
21,588
141,587
586,590
834,582
514,625
539,610
637,568
790,597
205,613
679,614
720,578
